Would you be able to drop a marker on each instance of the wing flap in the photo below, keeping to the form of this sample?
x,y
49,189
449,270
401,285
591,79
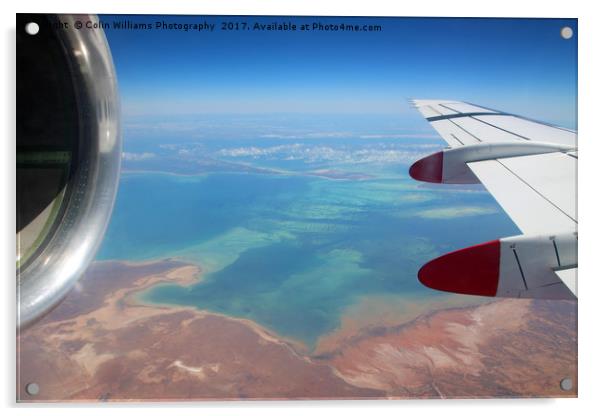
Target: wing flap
x,y
434,107
461,107
486,132
531,130
487,125
523,201
453,134
552,175
428,112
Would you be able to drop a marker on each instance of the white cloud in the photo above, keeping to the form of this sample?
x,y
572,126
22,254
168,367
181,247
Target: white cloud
x,y
137,156
455,212
322,154
400,136
315,135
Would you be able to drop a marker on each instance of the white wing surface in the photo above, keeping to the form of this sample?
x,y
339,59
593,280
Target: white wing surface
x,y
530,168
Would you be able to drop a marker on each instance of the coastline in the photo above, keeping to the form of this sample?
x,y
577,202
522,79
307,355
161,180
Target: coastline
x,y
102,343
187,276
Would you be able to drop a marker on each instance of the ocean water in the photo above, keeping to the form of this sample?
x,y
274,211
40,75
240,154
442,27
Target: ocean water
x,y
291,250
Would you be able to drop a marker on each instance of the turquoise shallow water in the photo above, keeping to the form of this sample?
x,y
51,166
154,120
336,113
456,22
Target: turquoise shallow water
x,y
292,252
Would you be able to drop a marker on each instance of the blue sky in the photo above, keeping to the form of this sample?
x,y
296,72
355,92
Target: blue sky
x,y
517,65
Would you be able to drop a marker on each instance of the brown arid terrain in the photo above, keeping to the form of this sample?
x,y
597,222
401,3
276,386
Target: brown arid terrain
x,y
101,343
507,348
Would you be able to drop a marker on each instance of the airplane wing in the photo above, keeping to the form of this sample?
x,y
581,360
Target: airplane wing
x,y
530,168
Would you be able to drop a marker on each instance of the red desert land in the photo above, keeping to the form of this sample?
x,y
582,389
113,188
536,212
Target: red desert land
x,y
101,343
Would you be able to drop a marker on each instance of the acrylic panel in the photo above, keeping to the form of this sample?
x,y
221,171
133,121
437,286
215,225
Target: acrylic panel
x,y
285,207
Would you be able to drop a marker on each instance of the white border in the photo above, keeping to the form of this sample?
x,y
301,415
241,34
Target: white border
x,y
589,209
